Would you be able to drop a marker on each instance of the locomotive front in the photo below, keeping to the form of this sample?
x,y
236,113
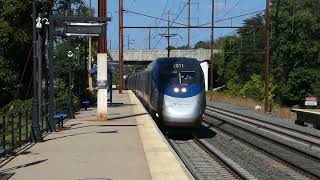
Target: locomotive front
x,y
182,84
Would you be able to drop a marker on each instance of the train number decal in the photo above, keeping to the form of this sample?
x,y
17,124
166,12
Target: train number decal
x,y
178,66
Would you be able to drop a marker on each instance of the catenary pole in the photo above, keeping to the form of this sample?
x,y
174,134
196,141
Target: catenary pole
x,y
189,22
267,57
212,46
90,56
120,46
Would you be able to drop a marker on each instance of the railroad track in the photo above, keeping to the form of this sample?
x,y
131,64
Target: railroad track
x,y
294,134
206,162
296,149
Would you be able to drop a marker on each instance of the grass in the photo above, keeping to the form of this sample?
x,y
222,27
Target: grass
x,y
283,112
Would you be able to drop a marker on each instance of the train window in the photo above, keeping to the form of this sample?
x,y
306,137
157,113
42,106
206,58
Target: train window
x,y
188,77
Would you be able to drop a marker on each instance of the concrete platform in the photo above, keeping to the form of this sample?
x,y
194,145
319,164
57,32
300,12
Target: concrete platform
x,y
127,146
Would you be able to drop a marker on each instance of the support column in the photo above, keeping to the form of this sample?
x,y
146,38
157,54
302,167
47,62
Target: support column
x,y
102,77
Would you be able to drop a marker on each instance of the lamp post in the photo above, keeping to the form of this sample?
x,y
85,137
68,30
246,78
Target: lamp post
x,y
36,134
70,113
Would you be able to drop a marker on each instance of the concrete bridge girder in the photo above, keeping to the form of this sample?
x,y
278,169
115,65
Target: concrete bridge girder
x,y
146,55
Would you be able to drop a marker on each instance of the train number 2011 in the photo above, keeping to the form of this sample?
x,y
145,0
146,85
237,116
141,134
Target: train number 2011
x,y
178,66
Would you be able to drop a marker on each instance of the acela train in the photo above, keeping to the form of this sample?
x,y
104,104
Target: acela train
x,y
173,91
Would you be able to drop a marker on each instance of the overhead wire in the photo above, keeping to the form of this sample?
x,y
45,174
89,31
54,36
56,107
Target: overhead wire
x,y
24,71
181,11
233,17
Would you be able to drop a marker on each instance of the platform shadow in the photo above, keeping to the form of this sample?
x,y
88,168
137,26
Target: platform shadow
x,y
120,105
184,134
127,116
105,125
28,153
77,134
94,179
23,166
5,160
204,132
75,124
6,176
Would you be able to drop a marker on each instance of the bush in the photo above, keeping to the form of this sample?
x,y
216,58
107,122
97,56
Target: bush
x,y
233,87
254,88
17,105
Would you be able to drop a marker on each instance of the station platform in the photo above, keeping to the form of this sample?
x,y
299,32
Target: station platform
x,y
126,146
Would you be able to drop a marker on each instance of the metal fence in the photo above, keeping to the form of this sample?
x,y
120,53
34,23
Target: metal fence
x,y
15,125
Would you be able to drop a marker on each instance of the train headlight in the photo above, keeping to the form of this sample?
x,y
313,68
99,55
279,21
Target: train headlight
x,y
184,90
176,90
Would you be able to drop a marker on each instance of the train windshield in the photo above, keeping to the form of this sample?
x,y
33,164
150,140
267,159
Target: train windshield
x,y
178,77
187,77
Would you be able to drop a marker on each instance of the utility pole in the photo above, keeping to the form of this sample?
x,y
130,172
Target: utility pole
x,y
89,57
168,34
102,12
120,46
189,22
149,37
212,46
267,58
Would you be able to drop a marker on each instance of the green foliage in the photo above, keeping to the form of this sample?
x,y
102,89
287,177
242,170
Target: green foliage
x,y
302,83
17,105
233,87
7,74
15,43
203,45
254,88
296,42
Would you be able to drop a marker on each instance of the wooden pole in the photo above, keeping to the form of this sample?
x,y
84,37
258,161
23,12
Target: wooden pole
x,y
120,46
267,58
189,22
212,46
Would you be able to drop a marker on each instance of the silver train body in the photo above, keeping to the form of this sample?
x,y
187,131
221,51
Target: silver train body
x,y
172,90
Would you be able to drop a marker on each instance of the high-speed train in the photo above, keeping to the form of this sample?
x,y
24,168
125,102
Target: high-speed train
x,y
173,91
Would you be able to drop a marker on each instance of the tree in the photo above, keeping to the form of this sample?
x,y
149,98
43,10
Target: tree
x,y
15,44
296,47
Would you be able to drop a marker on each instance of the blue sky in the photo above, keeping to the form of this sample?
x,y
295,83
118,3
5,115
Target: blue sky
x,y
200,11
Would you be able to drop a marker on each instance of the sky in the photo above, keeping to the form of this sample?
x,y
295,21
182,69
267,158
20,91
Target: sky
x,y
200,13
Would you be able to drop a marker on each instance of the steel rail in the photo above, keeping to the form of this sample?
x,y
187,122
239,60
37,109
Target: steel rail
x,y
232,167
305,170
182,158
295,134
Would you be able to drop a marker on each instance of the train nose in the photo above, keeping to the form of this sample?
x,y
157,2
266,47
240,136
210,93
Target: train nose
x,y
181,111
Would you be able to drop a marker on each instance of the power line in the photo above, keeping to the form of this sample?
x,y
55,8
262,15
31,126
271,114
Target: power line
x,y
171,24
233,17
141,14
157,24
234,6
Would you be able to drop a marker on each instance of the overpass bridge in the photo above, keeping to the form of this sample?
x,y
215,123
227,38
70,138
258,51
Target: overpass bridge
x,y
146,56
